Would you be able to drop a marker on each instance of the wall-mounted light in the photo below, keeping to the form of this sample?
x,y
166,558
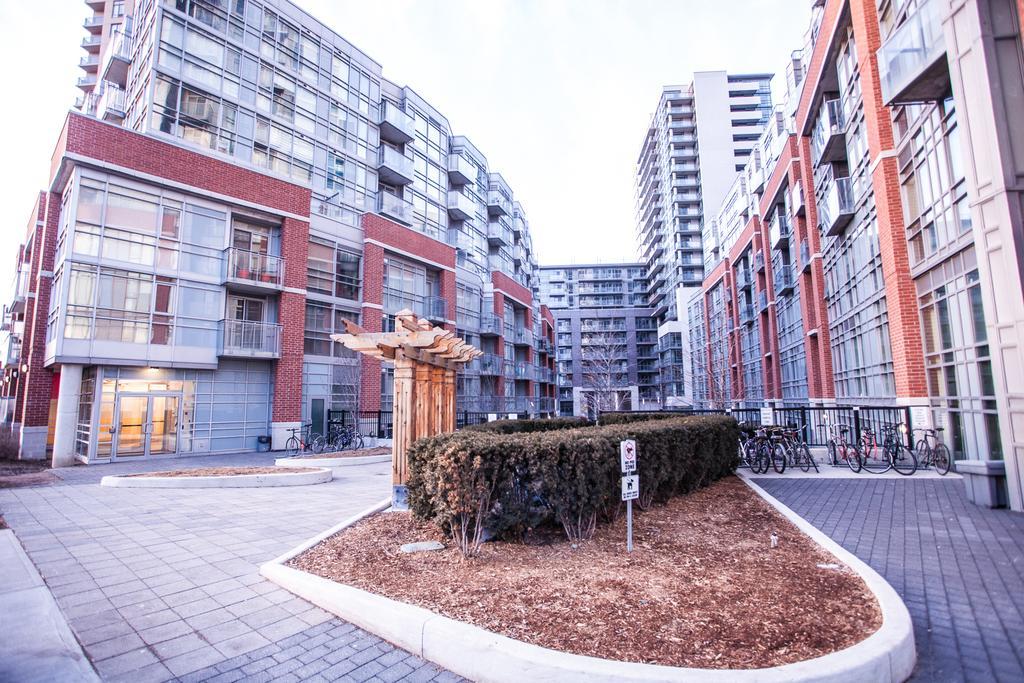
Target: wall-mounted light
x,y
24,367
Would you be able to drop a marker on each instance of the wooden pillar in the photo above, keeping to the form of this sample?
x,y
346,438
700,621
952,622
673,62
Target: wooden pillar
x,y
448,423
403,429
437,398
422,401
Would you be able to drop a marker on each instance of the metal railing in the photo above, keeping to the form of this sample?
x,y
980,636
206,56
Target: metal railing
x,y
254,267
435,308
491,324
250,339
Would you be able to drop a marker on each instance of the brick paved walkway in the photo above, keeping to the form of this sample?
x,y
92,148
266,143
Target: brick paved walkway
x,y
959,568
164,584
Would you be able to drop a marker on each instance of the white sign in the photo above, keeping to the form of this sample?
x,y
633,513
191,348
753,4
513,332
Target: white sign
x,y
631,487
627,455
920,417
491,417
513,416
767,417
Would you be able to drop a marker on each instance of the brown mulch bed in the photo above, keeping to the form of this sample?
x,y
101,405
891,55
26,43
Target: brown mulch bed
x,y
361,453
221,472
703,588
19,473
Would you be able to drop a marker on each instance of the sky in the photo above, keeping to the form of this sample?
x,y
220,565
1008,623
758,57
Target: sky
x,y
556,93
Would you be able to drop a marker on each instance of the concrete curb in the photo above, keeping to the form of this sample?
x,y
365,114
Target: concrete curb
x,y
36,643
331,462
886,656
319,475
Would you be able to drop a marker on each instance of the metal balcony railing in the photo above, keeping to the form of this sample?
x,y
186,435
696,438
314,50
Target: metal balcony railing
x,y
491,324
828,139
912,62
837,207
394,167
243,338
491,364
395,125
253,268
435,308
394,207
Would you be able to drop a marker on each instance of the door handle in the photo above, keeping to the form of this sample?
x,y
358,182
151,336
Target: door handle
x,y
112,430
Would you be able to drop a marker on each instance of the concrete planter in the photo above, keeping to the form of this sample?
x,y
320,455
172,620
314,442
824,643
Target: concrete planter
x,y
319,475
985,482
333,463
886,656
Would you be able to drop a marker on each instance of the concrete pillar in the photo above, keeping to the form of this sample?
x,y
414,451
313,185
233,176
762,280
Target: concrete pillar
x,y
67,415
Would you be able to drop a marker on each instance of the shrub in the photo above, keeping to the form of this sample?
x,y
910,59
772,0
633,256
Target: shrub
x,y
524,426
470,481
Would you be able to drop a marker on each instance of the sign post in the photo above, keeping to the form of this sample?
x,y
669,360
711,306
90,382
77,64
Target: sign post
x,y
630,485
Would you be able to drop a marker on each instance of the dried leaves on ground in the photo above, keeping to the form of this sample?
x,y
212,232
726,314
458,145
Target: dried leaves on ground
x,y
19,473
703,588
222,472
360,453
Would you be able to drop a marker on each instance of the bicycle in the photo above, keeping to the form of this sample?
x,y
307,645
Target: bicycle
x,y
879,458
304,439
758,453
840,450
797,450
346,436
936,456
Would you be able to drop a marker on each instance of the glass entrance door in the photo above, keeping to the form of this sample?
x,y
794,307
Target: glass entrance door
x,y
147,424
133,416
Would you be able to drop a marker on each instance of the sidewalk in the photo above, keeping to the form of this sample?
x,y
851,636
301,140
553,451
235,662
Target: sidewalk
x,y
36,643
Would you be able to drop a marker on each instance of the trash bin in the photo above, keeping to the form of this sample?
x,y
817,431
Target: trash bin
x,y
262,444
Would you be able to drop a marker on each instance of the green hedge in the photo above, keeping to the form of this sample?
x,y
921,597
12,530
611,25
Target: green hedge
x,y
469,481
524,426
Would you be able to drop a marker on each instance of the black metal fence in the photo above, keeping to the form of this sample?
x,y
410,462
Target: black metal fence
x,y
378,423
815,422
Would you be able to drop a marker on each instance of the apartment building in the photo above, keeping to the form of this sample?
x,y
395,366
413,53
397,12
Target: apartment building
x,y
239,182
878,260
606,342
699,138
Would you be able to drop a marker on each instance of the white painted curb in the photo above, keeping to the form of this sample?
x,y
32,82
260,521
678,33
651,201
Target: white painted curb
x,y
240,481
332,462
886,656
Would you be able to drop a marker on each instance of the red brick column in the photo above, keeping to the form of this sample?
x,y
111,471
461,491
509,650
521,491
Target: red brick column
x,y
372,321
36,385
287,408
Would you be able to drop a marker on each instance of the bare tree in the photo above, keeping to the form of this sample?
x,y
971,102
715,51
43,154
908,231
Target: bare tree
x,y
605,373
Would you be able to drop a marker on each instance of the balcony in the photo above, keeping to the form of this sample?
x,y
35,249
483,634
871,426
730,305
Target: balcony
x,y
805,256
90,63
435,309
784,280
837,207
796,200
759,262
912,63
245,339
87,82
499,234
524,371
460,207
762,301
394,167
746,314
491,364
395,207
91,44
252,271
118,57
461,171
491,325
395,125
778,231
111,104
828,139
523,337
743,278
93,25
472,368
498,204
